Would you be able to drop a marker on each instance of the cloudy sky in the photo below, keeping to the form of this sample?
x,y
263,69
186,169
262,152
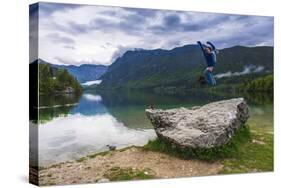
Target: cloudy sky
x,y
74,34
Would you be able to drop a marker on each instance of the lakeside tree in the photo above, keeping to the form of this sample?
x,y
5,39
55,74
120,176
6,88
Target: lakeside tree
x,y
263,84
56,80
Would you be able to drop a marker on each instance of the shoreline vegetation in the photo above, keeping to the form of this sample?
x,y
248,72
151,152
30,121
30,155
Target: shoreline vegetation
x,y
56,81
250,150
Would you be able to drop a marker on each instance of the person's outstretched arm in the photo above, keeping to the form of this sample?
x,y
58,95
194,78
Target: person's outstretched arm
x,y
201,46
213,46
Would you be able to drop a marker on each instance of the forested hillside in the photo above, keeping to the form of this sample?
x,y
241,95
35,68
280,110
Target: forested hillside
x,y
182,66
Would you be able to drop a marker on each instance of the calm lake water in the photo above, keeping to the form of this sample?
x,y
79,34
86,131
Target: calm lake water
x,y
71,127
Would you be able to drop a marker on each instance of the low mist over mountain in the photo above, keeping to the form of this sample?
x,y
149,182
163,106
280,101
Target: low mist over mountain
x,y
182,66
83,73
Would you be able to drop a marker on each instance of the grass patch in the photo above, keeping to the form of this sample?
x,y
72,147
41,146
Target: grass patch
x,y
81,159
252,157
129,147
97,154
230,149
240,155
111,152
119,174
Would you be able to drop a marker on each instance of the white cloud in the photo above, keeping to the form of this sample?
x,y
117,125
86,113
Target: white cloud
x,y
98,34
247,70
94,82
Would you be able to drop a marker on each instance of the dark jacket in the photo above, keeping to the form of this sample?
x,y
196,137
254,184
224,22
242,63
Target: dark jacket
x,y
211,58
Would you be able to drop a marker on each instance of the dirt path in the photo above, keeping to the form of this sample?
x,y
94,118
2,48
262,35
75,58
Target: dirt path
x,y
150,164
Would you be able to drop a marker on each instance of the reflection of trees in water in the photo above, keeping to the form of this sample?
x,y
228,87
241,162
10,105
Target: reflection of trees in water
x,y
48,114
256,98
53,100
144,98
128,106
192,98
51,106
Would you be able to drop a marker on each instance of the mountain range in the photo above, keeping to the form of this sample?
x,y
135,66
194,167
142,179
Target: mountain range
x,y
178,67
83,73
182,66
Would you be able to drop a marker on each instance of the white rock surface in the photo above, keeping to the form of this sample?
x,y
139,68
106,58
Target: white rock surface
x,y
208,126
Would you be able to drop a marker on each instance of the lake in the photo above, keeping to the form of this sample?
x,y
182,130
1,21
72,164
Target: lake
x,y
74,126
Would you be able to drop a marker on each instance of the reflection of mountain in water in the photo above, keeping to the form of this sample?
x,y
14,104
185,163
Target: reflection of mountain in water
x,y
70,132
68,138
90,104
129,106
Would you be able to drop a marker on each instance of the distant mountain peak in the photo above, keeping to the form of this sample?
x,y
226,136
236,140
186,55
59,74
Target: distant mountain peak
x,y
83,73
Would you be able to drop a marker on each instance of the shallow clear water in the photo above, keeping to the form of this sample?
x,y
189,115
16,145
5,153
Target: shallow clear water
x,y
71,127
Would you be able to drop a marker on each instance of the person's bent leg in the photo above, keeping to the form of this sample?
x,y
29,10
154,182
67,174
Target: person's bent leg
x,y
208,76
213,80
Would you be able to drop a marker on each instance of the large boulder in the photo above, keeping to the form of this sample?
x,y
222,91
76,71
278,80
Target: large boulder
x,y
207,126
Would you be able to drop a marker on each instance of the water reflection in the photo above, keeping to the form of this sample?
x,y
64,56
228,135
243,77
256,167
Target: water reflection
x,y
51,106
67,132
77,135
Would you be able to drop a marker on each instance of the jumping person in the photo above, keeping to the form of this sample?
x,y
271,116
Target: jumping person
x,y
209,52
